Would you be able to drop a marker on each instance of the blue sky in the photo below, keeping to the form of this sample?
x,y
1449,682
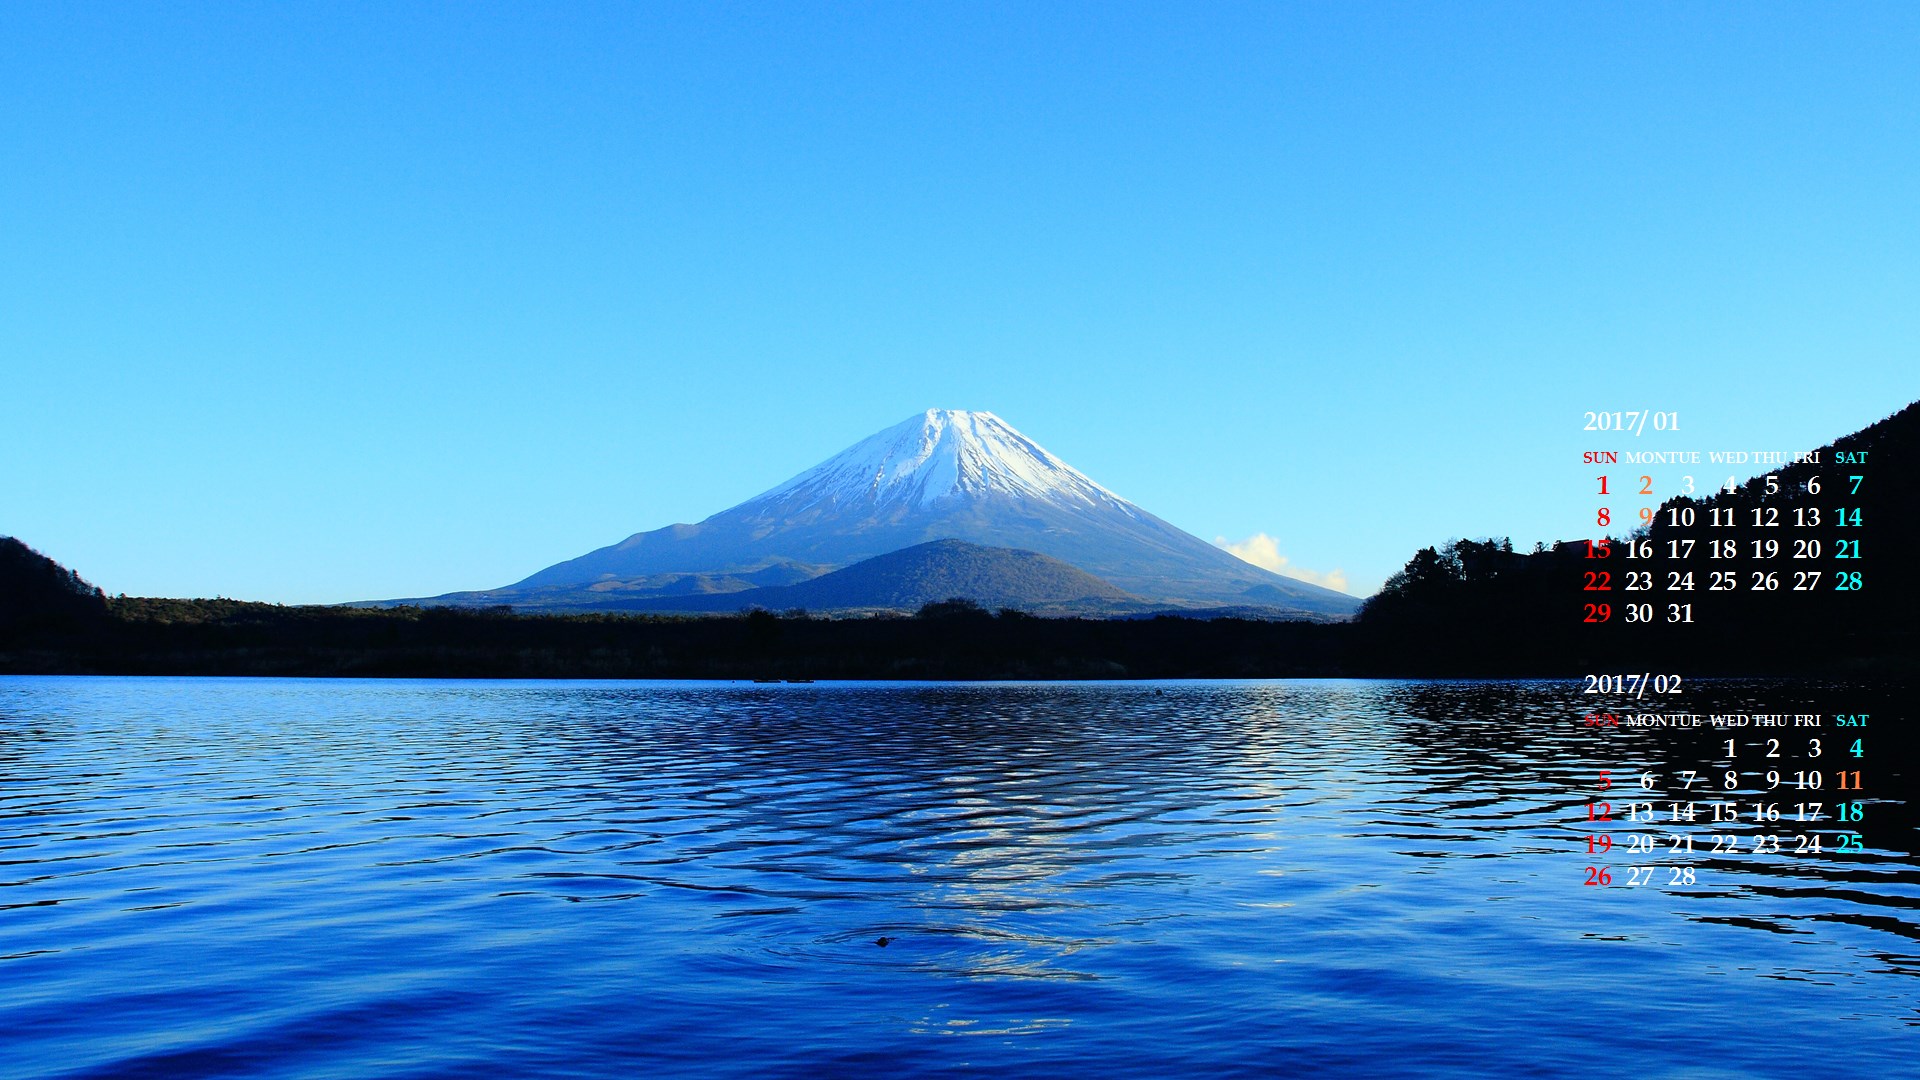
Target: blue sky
x,y
320,302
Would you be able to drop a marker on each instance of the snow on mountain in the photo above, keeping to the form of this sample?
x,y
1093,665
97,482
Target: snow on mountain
x,y
945,474
943,454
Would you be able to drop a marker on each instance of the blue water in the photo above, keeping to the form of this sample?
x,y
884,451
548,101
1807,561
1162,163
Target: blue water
x,y
289,878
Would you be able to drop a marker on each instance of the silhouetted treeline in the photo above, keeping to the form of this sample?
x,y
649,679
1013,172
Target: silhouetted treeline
x,y
1473,607
948,641
952,640
39,596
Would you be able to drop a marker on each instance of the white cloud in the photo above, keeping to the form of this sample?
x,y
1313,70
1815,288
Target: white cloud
x,y
1263,551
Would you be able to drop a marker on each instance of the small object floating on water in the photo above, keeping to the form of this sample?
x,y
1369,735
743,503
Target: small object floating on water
x,y
883,942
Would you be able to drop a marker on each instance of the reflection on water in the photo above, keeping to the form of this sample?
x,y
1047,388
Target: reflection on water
x,y
304,878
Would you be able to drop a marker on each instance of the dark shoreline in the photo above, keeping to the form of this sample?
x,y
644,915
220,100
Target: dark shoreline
x,y
230,638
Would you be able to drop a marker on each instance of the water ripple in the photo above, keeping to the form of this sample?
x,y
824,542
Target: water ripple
x,y
313,878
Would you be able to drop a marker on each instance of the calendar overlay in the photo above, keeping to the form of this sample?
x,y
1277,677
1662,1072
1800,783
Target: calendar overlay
x,y
1694,536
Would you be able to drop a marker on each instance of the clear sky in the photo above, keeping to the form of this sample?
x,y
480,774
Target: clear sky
x,y
330,301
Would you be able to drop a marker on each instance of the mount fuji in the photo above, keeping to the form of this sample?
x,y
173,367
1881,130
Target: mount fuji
x,y
942,475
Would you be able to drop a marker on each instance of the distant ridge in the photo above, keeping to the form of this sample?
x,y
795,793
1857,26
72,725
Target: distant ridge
x,y
907,579
945,474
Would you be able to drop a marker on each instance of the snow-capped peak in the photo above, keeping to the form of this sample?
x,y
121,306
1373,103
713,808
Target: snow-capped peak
x,y
940,454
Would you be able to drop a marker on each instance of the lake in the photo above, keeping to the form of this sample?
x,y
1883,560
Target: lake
x,y
313,878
